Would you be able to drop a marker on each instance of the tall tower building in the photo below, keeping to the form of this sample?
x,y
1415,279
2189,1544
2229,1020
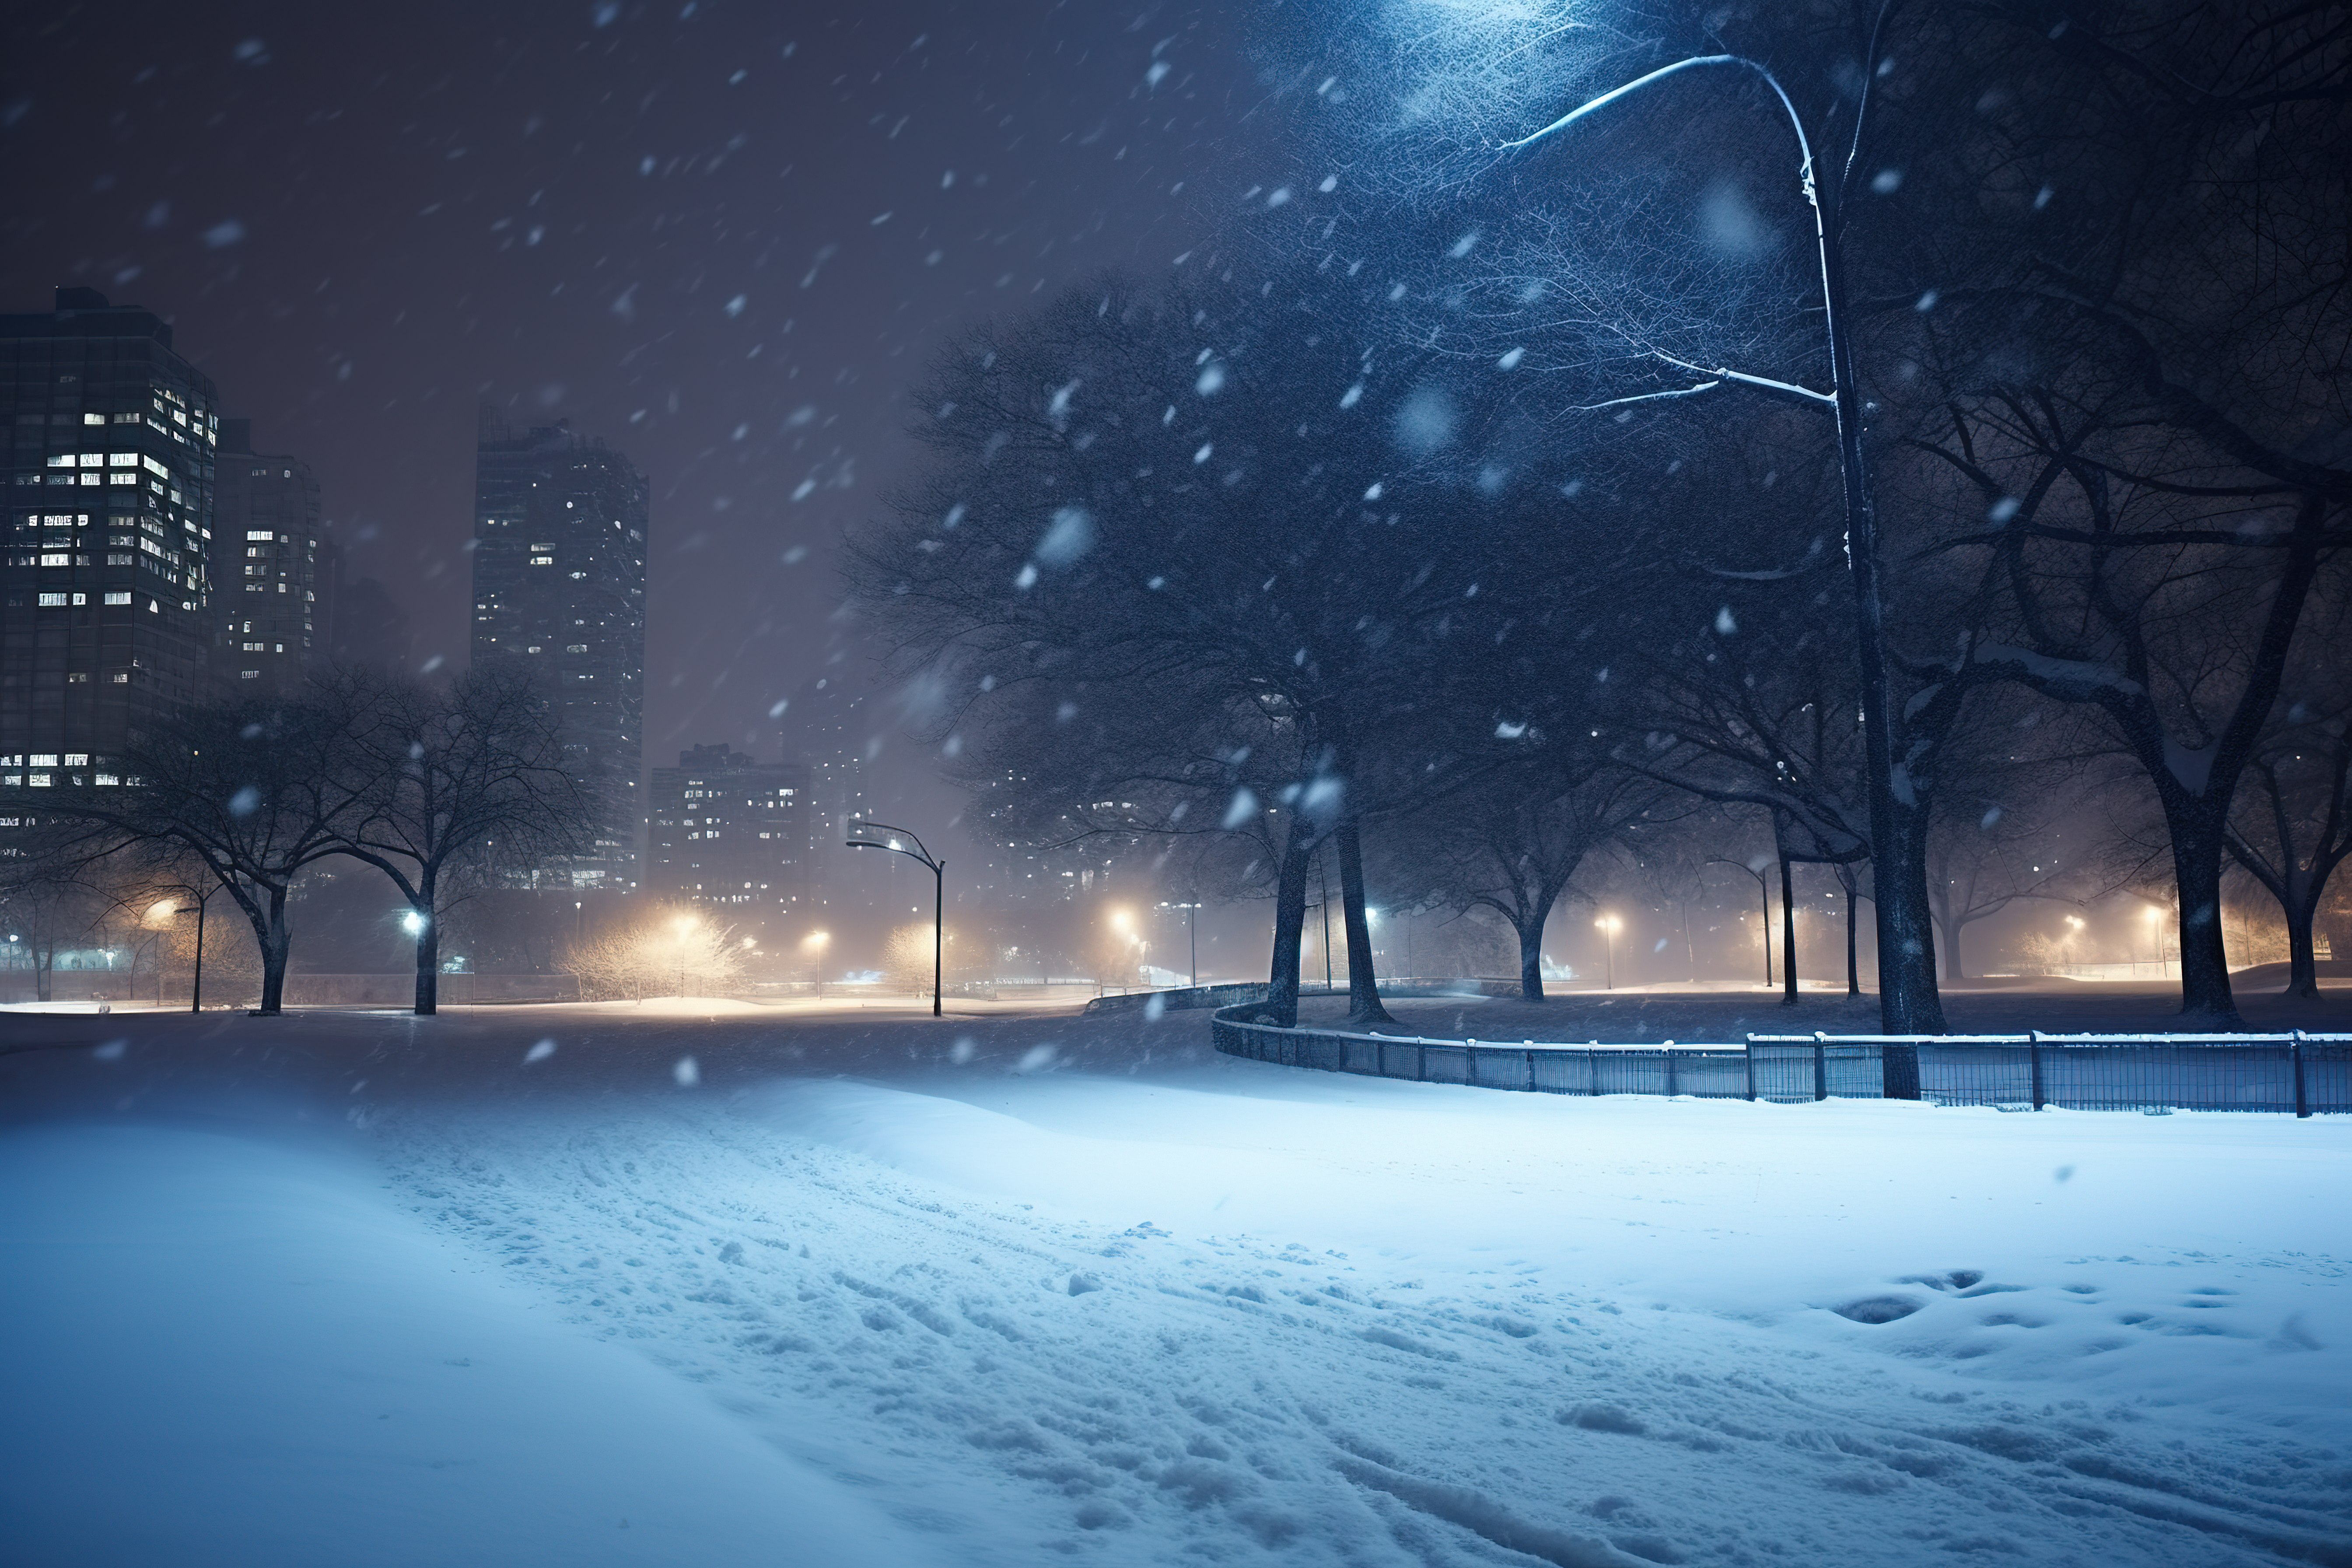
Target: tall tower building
x,y
273,574
105,612
830,739
560,524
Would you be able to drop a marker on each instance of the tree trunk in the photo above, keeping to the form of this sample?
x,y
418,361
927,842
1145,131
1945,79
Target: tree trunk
x,y
2301,950
1363,982
276,942
1788,931
1281,1006
1954,969
428,956
1908,1003
1531,958
2196,869
1846,881
45,965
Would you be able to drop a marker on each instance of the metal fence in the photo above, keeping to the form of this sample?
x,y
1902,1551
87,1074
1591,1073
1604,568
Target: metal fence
x,y
2299,1072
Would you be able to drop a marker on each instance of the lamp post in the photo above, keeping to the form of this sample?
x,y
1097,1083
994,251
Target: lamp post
x,y
1191,931
1609,925
1906,967
196,987
896,840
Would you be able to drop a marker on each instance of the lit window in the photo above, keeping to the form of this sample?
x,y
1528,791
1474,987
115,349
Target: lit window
x,y
120,677
122,460
38,781
542,560
43,759
77,677
61,459
52,601
261,534
249,675
91,459
124,598
93,419
105,779
55,560
253,647
575,647
77,759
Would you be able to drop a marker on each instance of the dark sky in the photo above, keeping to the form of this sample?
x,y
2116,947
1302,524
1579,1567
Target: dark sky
x,y
725,237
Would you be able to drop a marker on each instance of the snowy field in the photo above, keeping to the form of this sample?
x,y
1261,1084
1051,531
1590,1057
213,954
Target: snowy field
x,y
355,1289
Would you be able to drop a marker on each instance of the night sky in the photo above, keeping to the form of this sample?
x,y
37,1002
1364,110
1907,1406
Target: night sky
x,y
724,237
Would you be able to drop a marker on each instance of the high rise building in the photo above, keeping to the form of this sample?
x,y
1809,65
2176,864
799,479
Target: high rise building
x,y
830,737
273,570
726,830
105,603
559,525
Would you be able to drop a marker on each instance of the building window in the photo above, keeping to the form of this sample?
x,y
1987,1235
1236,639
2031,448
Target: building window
x,y
249,675
120,677
77,677
261,534
122,598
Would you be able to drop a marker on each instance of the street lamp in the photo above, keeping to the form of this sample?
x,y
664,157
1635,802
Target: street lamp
x,y
196,984
1191,931
2156,933
1609,925
860,838
1906,1000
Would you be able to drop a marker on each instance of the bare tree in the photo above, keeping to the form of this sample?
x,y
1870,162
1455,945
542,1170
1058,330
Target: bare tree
x,y
450,784
255,791
2291,824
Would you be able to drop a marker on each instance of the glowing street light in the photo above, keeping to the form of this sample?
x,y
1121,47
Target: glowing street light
x,y
412,923
1608,926
859,838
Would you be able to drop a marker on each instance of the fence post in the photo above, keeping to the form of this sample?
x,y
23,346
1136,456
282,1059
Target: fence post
x,y
1420,1063
2033,1046
2302,1097
1531,1071
1751,1054
1671,1078
1821,1066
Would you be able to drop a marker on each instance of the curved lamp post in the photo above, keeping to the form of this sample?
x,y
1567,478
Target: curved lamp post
x,y
896,840
1907,1008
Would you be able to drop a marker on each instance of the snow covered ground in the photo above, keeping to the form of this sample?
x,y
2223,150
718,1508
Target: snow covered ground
x,y
1004,1290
